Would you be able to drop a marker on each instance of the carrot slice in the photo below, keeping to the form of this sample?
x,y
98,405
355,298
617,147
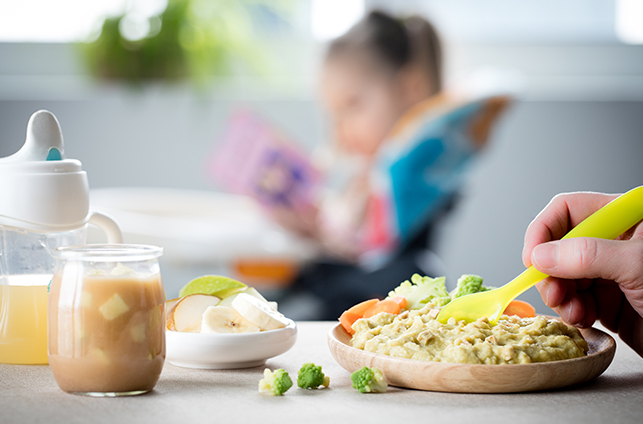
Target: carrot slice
x,y
362,307
348,318
401,300
520,308
387,305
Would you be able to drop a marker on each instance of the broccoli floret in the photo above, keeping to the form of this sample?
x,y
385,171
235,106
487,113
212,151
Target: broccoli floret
x,y
275,383
468,284
422,290
310,376
369,380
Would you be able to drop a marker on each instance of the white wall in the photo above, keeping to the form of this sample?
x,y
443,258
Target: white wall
x,y
155,139
579,126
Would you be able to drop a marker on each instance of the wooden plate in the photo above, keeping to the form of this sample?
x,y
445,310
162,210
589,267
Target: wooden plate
x,y
467,378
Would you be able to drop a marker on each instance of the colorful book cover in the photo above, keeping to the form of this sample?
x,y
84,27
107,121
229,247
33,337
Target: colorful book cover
x,y
255,159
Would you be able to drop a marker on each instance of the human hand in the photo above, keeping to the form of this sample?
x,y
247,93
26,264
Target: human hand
x,y
307,225
301,222
590,278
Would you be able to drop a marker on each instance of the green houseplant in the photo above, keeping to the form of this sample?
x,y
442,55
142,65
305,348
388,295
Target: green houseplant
x,y
189,39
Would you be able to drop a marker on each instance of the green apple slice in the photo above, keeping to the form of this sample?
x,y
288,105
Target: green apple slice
x,y
214,285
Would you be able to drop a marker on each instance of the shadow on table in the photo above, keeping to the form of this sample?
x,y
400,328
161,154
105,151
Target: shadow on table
x,y
628,382
612,384
187,380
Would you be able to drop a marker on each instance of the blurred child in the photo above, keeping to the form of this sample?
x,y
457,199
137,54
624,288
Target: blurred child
x,y
370,77
402,155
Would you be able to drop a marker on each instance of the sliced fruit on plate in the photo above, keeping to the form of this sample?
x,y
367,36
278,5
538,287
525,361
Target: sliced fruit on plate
x,y
248,290
224,319
259,312
169,304
214,285
187,313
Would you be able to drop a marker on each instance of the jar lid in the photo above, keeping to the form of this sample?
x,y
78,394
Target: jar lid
x,y
108,252
40,189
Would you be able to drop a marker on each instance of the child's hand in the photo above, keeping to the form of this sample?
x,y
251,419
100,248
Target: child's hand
x,y
307,225
590,278
302,223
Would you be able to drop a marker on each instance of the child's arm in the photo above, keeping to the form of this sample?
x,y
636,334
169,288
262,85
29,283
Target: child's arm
x,y
303,223
334,224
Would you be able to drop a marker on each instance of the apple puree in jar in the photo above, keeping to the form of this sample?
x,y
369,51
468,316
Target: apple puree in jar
x,y
106,331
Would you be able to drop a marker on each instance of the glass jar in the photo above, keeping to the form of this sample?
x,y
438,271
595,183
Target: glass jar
x,y
106,319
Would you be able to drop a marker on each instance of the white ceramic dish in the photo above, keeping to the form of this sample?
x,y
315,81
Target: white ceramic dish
x,y
228,351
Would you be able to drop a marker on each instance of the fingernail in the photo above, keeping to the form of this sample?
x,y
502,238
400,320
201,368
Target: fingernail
x,y
547,288
526,260
568,310
545,256
543,289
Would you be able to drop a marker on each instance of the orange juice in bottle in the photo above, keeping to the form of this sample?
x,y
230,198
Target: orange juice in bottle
x,y
23,319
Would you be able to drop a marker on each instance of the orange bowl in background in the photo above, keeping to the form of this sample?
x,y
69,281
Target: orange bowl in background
x,y
277,273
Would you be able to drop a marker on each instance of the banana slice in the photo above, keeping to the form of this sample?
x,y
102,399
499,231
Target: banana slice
x,y
273,304
258,312
223,319
252,292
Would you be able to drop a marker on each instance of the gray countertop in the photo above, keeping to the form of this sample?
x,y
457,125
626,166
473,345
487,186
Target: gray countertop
x,y
29,394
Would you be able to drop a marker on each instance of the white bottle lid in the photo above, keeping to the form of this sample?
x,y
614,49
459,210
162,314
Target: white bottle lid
x,y
40,189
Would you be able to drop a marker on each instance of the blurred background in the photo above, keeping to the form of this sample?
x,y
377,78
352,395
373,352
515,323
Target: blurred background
x,y
143,105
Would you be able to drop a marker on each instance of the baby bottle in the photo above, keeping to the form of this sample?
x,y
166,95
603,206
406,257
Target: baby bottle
x,y
44,204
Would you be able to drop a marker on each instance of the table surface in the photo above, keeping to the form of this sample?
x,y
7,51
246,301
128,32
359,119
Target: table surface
x,y
29,394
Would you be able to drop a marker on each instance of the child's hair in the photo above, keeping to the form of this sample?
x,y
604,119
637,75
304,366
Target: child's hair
x,y
395,43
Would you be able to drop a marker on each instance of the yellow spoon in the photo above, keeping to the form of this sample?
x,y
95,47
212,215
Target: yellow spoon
x,y
609,222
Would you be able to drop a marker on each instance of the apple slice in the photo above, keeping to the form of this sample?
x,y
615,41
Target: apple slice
x,y
187,312
169,304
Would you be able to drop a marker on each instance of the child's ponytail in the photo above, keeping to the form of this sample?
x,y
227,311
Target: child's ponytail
x,y
394,43
426,49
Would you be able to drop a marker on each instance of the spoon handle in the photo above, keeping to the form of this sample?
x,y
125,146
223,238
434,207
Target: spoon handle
x,y
527,279
613,219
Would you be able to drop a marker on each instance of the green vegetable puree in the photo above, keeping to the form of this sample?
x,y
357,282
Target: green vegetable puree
x,y
418,335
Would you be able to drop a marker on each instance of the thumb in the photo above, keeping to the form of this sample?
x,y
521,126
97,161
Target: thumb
x,y
585,257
